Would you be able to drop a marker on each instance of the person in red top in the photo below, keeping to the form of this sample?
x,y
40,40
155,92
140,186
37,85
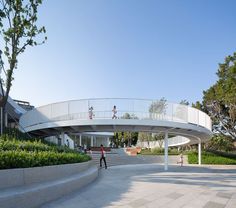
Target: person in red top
x,y
103,157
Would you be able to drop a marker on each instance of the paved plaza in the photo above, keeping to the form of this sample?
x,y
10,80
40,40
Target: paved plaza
x,y
149,186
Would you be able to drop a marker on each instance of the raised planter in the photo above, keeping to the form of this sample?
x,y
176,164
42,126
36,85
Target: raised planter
x,y
32,187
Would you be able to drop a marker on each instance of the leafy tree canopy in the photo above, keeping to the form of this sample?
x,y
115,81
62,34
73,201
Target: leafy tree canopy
x,y
158,106
18,30
220,99
184,102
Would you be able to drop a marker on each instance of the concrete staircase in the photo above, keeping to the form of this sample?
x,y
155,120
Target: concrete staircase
x,y
119,157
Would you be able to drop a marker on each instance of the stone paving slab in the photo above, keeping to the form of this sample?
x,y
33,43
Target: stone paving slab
x,y
149,186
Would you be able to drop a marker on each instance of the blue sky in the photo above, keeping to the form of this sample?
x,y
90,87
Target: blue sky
x,y
126,48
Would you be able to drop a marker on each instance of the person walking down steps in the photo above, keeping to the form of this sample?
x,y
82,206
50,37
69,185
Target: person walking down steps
x,y
103,157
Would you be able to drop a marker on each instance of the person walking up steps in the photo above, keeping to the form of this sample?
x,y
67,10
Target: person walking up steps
x,y
103,157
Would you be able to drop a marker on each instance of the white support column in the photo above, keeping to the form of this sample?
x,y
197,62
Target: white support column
x,y
1,119
108,142
91,141
166,150
80,140
199,153
63,138
6,119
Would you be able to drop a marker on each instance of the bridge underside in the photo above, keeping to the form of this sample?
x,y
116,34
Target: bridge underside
x,y
191,131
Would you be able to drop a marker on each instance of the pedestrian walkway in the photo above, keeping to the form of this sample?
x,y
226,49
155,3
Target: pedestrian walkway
x,y
149,186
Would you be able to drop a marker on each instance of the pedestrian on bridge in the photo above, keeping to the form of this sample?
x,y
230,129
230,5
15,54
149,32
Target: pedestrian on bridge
x,y
114,112
91,114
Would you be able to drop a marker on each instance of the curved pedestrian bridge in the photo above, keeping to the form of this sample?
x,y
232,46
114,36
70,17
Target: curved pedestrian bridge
x,y
97,115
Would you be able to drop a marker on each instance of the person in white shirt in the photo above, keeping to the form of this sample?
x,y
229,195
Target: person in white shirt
x,y
91,114
114,112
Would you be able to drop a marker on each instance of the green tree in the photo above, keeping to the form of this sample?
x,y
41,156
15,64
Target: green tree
x,y
144,137
184,102
220,99
198,105
158,107
159,138
128,138
19,30
221,143
129,116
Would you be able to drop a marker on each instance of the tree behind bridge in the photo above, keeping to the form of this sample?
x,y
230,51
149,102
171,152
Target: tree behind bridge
x,y
19,30
220,99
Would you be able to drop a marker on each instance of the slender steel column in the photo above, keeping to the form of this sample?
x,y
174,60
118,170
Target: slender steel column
x,y
166,151
199,153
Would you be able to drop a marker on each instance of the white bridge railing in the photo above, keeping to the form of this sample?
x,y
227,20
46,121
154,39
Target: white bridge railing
x,y
141,109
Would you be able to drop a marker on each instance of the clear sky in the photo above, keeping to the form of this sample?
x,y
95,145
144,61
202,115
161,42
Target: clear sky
x,y
126,48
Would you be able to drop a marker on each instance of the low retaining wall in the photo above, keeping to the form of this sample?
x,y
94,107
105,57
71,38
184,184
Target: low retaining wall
x,y
32,187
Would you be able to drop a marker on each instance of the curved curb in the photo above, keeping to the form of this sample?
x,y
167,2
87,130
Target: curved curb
x,y
37,194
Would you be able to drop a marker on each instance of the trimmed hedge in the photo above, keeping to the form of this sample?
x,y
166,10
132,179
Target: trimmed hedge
x,y
13,144
210,158
159,151
23,159
23,154
6,145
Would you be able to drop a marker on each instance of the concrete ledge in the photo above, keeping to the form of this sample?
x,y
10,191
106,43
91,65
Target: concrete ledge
x,y
25,176
37,193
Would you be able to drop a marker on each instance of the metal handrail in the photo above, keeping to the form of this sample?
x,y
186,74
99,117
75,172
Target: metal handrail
x,y
79,110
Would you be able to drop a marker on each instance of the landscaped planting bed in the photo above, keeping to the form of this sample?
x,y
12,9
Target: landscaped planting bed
x,y
23,154
210,158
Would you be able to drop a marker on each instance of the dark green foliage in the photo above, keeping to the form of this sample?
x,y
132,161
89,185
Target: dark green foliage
x,y
192,158
198,105
24,159
159,151
16,133
21,154
221,143
220,99
184,102
210,158
231,155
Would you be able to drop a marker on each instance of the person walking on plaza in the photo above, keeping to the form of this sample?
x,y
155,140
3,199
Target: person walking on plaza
x,y
181,160
103,157
114,112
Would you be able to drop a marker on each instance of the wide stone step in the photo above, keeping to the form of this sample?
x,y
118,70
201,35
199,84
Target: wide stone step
x,y
113,160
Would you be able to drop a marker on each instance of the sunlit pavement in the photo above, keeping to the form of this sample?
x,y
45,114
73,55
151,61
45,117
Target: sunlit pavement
x,y
148,185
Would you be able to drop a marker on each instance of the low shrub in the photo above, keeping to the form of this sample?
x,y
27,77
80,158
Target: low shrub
x,y
23,154
24,159
13,144
210,158
159,151
7,145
